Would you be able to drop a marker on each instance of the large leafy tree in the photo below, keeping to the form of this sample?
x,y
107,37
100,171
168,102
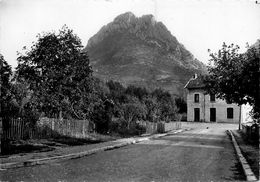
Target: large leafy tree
x,y
5,84
235,76
133,111
167,105
23,102
153,109
15,98
58,73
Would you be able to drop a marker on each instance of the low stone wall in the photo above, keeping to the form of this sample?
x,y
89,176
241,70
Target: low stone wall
x,y
160,127
172,126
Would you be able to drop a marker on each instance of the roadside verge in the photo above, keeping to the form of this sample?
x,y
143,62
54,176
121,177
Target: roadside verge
x,y
118,143
246,168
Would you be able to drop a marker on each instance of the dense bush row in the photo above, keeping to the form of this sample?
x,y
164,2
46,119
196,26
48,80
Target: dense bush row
x,y
122,107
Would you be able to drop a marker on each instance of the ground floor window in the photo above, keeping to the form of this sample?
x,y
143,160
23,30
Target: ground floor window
x,y
230,113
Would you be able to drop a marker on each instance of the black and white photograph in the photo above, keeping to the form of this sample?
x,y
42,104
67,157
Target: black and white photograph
x,y
129,90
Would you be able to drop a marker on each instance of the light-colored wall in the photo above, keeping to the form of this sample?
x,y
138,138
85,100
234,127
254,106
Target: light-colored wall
x,y
205,104
246,116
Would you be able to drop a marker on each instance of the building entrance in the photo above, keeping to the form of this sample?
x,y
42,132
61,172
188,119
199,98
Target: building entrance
x,y
196,114
213,114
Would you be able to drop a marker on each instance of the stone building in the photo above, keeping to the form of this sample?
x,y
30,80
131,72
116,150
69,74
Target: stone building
x,y
207,108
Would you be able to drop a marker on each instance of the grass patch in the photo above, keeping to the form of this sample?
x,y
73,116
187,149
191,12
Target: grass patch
x,y
26,146
249,150
49,144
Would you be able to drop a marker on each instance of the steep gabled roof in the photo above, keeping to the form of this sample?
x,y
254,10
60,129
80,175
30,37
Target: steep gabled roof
x,y
195,83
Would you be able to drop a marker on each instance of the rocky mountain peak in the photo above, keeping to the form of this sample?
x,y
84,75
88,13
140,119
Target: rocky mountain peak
x,y
131,20
126,17
144,27
141,51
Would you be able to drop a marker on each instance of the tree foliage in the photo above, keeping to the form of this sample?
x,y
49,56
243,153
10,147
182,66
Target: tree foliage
x,y
235,76
181,104
153,109
133,111
5,83
167,107
138,92
58,73
16,99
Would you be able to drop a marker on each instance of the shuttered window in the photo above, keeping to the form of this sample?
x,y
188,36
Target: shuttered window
x,y
230,113
196,98
212,98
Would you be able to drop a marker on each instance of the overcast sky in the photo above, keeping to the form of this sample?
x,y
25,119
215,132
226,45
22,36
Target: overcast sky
x,y
198,24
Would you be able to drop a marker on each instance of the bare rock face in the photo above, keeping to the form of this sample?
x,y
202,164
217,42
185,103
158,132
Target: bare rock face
x,y
256,45
141,51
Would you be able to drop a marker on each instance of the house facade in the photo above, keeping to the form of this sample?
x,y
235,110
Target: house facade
x,y
207,108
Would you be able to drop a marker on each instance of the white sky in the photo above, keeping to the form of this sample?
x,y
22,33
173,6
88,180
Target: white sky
x,y
198,24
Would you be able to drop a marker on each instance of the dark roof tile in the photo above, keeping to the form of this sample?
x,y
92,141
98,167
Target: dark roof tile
x,y
194,83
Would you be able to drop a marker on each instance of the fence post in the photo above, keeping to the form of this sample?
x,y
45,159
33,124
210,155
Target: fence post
x,y
84,127
52,124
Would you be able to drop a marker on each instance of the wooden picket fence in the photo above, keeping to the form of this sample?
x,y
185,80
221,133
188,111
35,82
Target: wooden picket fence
x,y
67,127
16,128
19,128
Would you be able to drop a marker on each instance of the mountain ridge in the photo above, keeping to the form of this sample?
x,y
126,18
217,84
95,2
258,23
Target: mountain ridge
x,y
143,52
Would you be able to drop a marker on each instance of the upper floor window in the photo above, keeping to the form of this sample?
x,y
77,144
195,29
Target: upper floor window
x,y
196,98
230,113
212,98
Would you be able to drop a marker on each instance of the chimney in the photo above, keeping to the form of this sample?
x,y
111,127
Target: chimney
x,y
195,76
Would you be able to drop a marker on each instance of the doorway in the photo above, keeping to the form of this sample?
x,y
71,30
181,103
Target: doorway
x,y
213,114
196,114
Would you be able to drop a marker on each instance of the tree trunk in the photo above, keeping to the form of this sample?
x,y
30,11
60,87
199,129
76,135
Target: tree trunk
x,y
128,122
240,112
60,115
